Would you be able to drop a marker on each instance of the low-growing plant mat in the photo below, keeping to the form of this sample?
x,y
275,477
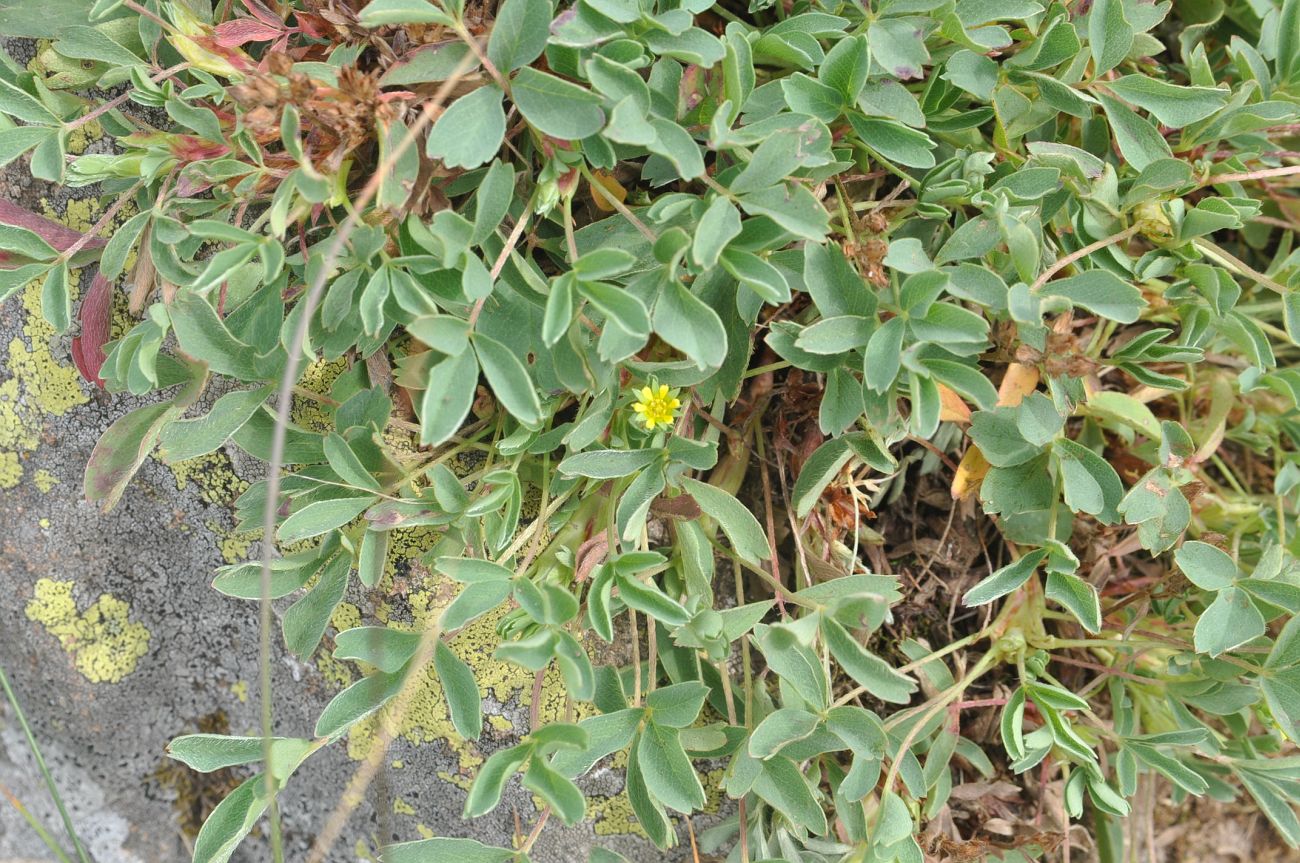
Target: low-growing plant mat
x,y
796,431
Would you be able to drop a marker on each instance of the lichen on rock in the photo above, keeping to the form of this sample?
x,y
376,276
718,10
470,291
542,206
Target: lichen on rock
x,y
102,641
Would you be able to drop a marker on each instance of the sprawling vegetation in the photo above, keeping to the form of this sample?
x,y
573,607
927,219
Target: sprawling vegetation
x,y
874,401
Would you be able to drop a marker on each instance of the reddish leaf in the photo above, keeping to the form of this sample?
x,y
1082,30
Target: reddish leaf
x,y
60,237
232,34
264,14
88,348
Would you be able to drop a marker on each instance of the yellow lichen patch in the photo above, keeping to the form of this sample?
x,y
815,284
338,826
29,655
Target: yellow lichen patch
x,y
11,470
103,643
317,378
335,671
345,616
44,480
401,807
38,385
214,476
83,136
613,816
44,523
234,545
80,214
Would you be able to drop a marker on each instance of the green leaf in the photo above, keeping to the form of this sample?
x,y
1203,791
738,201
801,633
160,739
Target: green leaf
x,y
869,670
448,397
677,146
380,12
718,226
834,286
556,107
384,648
678,705
817,472
1110,36
1172,768
322,516
846,66
1276,806
757,274
21,106
560,792
1078,596
22,243
1230,621
232,820
606,734
357,702
485,793
474,601
1005,580
647,598
894,141
738,523
343,461
893,824
121,450
794,662
208,752
462,692
18,140
883,355
691,326
1125,409
779,728
649,811
1102,293
186,439
205,336
519,33
56,302
509,379
792,207
1170,104
92,43
1206,566
304,622
997,433
472,570
668,773
608,463
618,305
1091,484
446,851
1139,141
786,789
470,131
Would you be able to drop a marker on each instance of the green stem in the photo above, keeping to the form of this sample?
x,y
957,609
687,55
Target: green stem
x,y
45,771
36,826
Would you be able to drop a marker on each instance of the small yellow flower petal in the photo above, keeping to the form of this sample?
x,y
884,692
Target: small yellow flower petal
x,y
655,406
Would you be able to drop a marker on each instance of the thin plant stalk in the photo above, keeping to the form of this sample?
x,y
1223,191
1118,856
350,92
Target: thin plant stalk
x,y
45,771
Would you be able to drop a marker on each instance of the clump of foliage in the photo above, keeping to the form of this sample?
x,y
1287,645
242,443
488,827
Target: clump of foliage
x,y
716,285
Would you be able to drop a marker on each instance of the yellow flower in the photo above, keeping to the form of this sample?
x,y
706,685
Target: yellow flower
x,y
656,407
